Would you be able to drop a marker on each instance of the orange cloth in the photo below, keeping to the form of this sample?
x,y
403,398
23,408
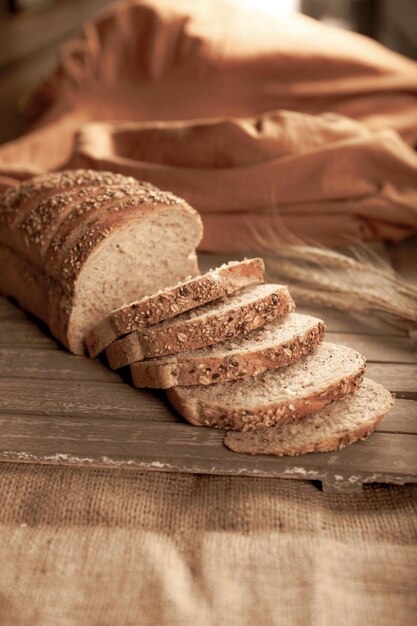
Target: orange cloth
x,y
256,150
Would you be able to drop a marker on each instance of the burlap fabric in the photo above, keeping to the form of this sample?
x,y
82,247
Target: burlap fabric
x,y
115,548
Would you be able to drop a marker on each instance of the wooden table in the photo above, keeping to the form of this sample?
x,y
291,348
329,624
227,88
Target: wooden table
x,y
60,408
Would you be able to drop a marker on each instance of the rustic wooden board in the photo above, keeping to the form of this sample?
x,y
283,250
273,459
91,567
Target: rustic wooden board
x,y
59,408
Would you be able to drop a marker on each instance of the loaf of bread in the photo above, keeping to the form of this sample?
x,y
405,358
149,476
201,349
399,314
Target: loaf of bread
x,y
109,263
78,244
173,301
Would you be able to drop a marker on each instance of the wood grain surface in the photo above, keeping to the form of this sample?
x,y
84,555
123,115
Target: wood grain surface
x,y
60,408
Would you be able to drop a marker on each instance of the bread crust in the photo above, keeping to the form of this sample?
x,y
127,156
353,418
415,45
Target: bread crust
x,y
331,444
198,370
77,221
33,211
74,259
38,225
261,441
171,302
272,414
193,334
25,282
16,202
82,252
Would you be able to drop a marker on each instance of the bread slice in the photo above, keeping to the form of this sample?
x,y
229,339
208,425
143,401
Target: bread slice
x,y
279,343
334,427
278,396
174,300
135,240
239,314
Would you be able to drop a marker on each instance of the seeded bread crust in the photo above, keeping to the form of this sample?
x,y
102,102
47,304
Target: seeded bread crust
x,y
32,213
17,202
203,330
173,301
215,412
282,440
69,263
61,213
193,368
70,266
44,218
75,241
271,415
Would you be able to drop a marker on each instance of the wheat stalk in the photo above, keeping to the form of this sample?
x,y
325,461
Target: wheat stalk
x,y
361,282
318,276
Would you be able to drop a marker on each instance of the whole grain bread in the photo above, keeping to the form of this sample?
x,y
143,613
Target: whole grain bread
x,y
173,301
227,317
337,425
20,200
25,282
278,344
97,240
277,396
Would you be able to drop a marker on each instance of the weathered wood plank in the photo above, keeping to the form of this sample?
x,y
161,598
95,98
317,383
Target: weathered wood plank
x,y
182,447
52,365
343,322
401,419
382,452
80,398
23,333
385,349
18,330
93,398
83,398
398,378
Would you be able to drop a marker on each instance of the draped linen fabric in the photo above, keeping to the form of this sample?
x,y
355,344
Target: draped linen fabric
x,y
265,124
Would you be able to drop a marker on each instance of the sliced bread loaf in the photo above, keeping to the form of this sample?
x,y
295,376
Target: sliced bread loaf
x,y
19,201
335,426
238,314
130,239
277,396
174,300
279,343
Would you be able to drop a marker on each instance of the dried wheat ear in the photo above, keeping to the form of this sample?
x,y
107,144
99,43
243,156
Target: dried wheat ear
x,y
364,284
